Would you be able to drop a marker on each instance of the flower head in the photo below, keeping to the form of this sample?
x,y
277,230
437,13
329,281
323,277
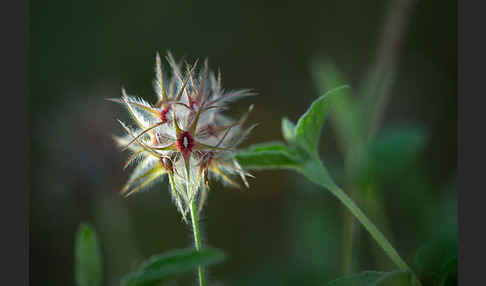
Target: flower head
x,y
184,135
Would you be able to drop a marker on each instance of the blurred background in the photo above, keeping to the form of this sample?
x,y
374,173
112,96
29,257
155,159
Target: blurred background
x,y
283,230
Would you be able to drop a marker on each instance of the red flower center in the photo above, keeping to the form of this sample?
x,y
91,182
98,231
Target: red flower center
x,y
185,143
163,114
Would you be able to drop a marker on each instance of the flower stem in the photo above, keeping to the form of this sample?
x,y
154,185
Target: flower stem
x,y
197,238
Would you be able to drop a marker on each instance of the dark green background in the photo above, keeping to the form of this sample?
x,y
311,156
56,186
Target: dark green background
x,y
283,230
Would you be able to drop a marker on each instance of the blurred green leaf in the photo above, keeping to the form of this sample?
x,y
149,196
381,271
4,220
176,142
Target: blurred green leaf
x,y
288,130
165,266
428,259
346,115
88,257
374,278
326,74
448,274
394,150
272,155
435,260
314,231
309,125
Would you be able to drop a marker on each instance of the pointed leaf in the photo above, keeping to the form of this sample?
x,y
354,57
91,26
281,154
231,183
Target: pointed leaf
x,y
309,126
346,115
274,155
288,130
165,266
374,278
88,258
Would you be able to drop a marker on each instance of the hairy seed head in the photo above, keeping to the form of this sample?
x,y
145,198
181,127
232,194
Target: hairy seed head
x,y
183,135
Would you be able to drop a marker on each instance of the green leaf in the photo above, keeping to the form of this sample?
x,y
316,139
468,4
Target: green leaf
x,y
374,278
273,155
288,130
448,275
309,126
165,266
326,74
433,260
345,115
394,150
88,258
315,171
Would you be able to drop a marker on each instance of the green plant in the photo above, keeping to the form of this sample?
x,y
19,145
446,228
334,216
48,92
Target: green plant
x,y
157,269
87,255
186,158
300,154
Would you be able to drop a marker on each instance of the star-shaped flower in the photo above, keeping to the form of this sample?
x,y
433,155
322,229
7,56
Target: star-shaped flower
x,y
184,134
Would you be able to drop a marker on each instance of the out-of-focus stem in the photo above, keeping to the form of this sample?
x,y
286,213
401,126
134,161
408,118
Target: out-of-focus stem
x,y
376,93
387,54
372,199
349,235
348,244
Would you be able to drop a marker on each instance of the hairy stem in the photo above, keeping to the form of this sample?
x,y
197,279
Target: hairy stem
x,y
371,228
374,231
197,238
316,172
